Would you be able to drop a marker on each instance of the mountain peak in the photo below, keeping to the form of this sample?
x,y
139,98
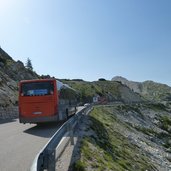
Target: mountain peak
x,y
148,89
119,78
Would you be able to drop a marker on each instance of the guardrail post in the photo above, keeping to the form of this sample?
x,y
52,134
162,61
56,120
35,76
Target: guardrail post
x,y
72,137
51,160
71,134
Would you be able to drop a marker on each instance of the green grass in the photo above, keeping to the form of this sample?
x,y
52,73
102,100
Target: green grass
x,y
108,149
156,91
157,107
147,131
165,123
131,108
79,166
88,90
165,138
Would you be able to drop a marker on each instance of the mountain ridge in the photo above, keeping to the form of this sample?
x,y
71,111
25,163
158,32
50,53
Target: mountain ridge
x,y
119,89
150,90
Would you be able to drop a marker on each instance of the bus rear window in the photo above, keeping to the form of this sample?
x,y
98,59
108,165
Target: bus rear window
x,y
37,88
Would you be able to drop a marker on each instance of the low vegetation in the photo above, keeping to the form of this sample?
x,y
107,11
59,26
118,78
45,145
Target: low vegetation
x,y
107,149
110,90
156,91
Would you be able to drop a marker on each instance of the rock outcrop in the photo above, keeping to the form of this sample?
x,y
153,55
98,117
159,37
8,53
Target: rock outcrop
x,y
11,72
148,89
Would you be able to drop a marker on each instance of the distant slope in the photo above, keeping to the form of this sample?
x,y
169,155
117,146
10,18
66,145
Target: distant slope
x,y
11,72
156,91
149,90
112,91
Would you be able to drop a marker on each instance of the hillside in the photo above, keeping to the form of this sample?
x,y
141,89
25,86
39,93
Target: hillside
x,y
119,89
124,137
148,89
129,135
11,72
109,90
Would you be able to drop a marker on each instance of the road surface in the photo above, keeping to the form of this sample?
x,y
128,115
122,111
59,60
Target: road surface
x,y
19,143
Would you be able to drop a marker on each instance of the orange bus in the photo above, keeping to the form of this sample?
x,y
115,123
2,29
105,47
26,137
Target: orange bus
x,y
45,100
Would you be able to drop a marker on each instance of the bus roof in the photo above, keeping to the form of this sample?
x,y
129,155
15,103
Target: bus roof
x,y
59,83
37,80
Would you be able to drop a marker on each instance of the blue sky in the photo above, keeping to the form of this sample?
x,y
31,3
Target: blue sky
x,y
90,39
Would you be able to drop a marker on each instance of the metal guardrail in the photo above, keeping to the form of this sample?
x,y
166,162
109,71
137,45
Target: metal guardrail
x,y
47,157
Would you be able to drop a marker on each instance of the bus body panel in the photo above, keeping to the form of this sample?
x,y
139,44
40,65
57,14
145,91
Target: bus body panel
x,y
38,104
39,119
37,108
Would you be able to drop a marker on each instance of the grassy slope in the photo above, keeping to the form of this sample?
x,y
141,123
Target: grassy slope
x,y
107,149
110,89
89,89
156,91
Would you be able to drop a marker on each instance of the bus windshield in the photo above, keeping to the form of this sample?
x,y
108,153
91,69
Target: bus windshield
x,y
37,88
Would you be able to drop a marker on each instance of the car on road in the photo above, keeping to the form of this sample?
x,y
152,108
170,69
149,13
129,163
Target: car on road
x,y
86,104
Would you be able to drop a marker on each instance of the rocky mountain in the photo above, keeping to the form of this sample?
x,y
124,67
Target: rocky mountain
x,y
11,72
148,89
119,89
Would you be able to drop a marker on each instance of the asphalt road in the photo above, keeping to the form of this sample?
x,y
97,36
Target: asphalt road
x,y
19,143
